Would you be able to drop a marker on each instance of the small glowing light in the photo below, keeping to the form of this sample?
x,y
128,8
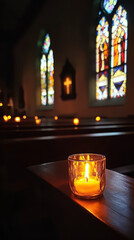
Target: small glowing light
x,y
5,118
1,104
37,121
55,117
24,116
67,83
76,121
17,119
36,117
98,118
9,117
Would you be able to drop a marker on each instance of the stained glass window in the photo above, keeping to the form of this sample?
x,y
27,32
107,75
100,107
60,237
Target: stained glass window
x,y
119,53
111,51
102,64
47,73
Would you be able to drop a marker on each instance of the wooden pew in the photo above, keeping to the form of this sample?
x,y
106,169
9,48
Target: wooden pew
x,y
22,131
22,152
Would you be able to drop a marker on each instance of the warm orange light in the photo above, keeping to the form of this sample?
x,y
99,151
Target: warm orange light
x,y
36,117
37,121
9,117
98,118
24,116
76,121
17,119
67,83
55,117
87,174
1,104
5,118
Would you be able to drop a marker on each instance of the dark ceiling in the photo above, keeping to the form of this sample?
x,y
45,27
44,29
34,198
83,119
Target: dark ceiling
x,y
16,16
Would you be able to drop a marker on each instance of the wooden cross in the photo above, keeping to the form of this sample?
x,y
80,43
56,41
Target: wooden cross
x,y
67,83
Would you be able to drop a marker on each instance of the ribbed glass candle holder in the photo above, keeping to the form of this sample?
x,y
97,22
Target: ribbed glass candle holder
x,y
87,174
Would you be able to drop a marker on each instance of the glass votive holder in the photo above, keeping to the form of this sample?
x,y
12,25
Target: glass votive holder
x,y
87,174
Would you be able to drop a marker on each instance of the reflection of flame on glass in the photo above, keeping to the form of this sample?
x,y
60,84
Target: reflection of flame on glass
x,y
1,104
24,116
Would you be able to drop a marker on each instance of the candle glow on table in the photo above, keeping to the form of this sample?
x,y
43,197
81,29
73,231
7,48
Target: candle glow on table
x,y
87,174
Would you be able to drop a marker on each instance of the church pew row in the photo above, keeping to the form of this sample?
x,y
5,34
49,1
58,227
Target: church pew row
x,y
22,132
20,153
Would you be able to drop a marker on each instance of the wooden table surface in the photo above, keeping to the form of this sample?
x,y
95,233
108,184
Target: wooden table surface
x,y
115,207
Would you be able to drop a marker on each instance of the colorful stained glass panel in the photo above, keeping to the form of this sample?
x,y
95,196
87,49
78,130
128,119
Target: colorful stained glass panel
x,y
109,5
102,45
46,44
43,80
119,53
50,78
101,86
47,73
118,82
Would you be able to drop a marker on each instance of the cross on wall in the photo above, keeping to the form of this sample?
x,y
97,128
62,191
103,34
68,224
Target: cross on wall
x,y
68,83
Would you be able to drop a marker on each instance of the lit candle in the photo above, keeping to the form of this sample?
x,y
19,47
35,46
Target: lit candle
x,y
87,174
5,118
9,117
55,117
98,118
87,184
17,119
76,121
37,121
24,116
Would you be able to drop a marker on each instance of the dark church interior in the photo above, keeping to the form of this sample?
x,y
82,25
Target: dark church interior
x,y
77,105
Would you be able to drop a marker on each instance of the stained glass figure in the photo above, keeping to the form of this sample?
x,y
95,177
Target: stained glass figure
x,y
102,63
50,77
109,5
43,80
119,53
47,73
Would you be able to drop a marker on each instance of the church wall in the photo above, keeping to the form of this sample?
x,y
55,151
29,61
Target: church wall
x,y
69,26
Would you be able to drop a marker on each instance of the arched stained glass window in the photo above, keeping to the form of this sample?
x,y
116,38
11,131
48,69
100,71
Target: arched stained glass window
x,y
111,51
47,73
102,64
